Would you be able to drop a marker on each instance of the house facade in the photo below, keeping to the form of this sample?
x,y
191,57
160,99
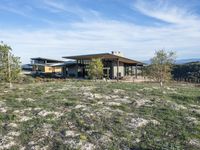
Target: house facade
x,y
116,66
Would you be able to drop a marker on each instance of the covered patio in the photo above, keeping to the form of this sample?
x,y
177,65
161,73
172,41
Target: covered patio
x,y
115,67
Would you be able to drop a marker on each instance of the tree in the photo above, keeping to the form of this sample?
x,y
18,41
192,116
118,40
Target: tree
x,y
161,66
95,69
9,64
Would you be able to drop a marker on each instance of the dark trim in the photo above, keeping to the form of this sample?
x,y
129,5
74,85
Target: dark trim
x,y
47,59
105,56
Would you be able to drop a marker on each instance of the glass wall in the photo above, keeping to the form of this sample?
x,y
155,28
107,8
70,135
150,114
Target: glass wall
x,y
129,70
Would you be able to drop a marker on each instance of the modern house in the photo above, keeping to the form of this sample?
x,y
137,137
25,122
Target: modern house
x,y
116,66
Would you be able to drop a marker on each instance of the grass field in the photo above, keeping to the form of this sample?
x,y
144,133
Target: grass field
x,y
99,115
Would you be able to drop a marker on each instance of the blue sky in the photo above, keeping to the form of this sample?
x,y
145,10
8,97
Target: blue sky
x,y
56,28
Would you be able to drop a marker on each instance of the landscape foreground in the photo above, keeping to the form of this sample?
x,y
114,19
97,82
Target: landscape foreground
x,y
99,115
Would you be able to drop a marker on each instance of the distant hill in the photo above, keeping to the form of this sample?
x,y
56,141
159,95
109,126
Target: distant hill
x,y
184,61
179,61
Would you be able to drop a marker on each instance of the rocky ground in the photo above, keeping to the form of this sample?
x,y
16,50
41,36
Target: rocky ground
x,y
99,115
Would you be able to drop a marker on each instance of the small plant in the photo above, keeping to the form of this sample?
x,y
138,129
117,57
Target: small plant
x,y
83,137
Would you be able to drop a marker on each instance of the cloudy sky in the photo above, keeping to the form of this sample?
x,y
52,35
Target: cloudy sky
x,y
56,28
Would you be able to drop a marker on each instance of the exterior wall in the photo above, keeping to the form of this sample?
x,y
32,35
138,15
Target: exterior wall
x,y
57,69
38,68
121,69
48,69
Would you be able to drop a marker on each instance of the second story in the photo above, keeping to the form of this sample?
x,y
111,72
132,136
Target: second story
x,y
40,60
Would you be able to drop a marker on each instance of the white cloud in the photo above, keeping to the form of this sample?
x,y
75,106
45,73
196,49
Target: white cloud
x,y
59,6
136,42
163,10
11,9
100,35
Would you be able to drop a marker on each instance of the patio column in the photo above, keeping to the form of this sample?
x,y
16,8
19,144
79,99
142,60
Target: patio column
x,y
108,74
77,68
117,69
131,70
64,71
136,72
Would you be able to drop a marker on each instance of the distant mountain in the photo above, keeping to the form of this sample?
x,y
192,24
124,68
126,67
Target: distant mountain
x,y
146,62
179,61
183,61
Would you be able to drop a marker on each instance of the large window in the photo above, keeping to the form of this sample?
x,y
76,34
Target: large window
x,y
85,62
129,70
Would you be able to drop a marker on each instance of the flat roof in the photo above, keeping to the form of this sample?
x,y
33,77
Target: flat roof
x,y
52,60
104,56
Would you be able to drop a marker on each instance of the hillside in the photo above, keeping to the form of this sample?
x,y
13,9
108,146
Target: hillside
x,y
179,61
99,115
187,72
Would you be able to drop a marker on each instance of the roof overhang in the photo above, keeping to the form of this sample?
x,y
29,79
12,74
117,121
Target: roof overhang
x,y
104,56
47,59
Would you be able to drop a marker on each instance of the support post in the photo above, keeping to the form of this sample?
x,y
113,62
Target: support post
x,y
64,71
131,71
107,72
76,68
117,70
136,72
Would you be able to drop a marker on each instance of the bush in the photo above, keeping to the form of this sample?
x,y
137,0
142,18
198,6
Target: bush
x,y
25,79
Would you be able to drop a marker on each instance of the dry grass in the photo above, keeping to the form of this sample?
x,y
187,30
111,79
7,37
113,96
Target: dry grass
x,y
99,115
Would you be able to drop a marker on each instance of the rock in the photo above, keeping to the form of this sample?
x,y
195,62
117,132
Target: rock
x,y
98,96
196,111
195,106
137,122
195,142
116,91
100,102
141,102
114,96
13,133
44,113
8,145
30,99
88,146
155,122
31,143
19,99
113,103
7,142
71,133
79,106
175,106
3,109
37,108
137,140
88,94
13,125
178,107
24,118
86,88
123,100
